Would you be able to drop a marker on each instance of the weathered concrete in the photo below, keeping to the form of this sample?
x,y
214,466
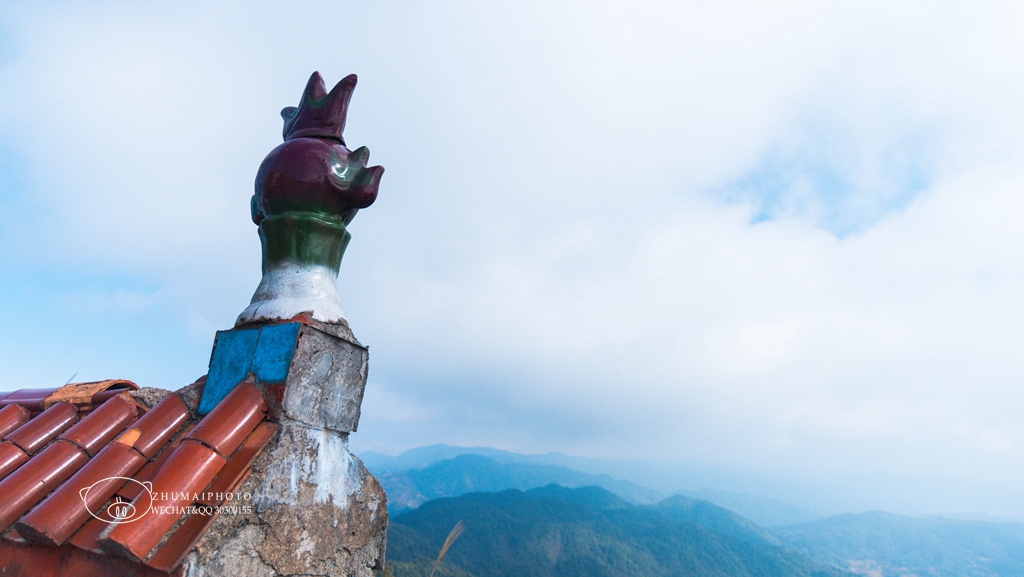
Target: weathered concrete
x,y
149,396
315,510
326,380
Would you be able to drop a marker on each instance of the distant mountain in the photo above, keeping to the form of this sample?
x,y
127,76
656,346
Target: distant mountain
x,y
764,498
586,532
893,545
730,489
407,490
875,544
759,509
676,509
421,457
470,473
680,509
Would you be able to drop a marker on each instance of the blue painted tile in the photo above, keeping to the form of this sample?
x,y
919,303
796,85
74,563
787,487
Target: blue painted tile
x,y
264,352
232,357
274,352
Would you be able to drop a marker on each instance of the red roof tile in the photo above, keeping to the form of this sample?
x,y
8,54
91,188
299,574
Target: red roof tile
x,y
131,491
86,537
31,399
85,452
35,562
188,471
174,550
11,457
171,553
238,465
80,394
12,417
62,513
36,478
159,424
84,394
96,430
231,421
35,434
43,561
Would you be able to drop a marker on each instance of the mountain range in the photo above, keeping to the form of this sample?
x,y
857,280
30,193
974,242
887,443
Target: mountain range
x,y
588,532
897,545
767,498
635,527
426,473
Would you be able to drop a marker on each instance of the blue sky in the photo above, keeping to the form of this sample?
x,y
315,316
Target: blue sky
x,y
784,239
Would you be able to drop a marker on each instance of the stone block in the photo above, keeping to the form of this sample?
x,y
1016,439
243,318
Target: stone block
x,y
322,367
326,381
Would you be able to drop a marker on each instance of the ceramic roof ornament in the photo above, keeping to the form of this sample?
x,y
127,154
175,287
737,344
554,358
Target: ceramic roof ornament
x,y
308,190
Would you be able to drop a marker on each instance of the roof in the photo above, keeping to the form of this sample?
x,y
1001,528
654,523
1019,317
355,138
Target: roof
x,y
95,481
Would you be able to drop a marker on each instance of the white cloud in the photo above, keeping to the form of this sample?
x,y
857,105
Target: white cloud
x,y
564,254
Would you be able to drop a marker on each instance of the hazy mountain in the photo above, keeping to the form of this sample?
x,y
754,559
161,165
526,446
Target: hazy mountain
x,y
556,531
759,509
528,471
680,509
876,544
766,499
421,457
471,473
737,491
893,545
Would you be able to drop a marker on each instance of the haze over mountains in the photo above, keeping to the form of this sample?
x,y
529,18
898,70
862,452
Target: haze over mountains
x,y
783,499
425,473
621,527
897,545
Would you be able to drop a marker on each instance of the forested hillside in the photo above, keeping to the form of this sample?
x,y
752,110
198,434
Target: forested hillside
x,y
559,532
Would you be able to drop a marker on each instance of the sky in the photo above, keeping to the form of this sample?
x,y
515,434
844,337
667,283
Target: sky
x,y
785,239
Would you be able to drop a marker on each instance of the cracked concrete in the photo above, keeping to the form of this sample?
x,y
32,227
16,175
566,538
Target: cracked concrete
x,y
292,529
315,511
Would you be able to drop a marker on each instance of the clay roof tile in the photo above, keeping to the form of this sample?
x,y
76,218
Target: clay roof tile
x,y
231,421
239,463
84,393
148,472
11,457
237,469
31,399
62,513
44,480
158,425
188,471
12,417
35,434
35,479
98,428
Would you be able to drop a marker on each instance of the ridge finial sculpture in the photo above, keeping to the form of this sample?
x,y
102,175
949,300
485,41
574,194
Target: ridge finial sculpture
x,y
308,190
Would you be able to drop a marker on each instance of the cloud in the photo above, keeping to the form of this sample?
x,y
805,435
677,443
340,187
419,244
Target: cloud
x,y
781,238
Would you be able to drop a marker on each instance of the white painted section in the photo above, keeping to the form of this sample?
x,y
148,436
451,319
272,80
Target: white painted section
x,y
314,457
290,289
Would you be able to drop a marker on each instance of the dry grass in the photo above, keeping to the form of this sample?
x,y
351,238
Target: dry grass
x,y
452,536
455,532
